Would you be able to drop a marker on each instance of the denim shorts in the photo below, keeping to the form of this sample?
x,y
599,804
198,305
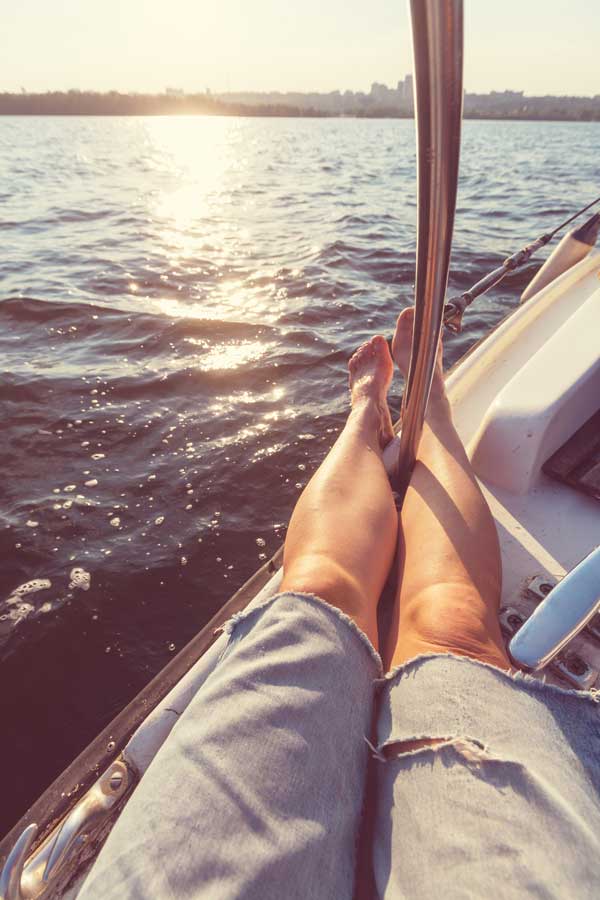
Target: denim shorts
x,y
293,774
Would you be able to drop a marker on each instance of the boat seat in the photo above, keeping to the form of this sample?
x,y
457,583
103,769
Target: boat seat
x,y
553,394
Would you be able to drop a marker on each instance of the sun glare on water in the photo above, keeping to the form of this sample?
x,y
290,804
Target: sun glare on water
x,y
198,153
204,225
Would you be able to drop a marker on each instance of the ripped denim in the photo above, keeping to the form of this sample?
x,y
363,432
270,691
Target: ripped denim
x,y
259,791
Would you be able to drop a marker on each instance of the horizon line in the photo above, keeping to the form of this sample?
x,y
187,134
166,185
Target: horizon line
x,y
207,91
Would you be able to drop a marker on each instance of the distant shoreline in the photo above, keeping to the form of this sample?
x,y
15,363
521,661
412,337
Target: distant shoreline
x,y
280,115
287,115
492,107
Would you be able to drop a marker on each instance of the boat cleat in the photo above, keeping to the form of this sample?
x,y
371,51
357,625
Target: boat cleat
x,y
568,667
553,628
57,859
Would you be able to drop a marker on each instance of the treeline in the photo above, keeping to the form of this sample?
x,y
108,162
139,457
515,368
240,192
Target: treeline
x,y
90,103
556,114
548,108
113,103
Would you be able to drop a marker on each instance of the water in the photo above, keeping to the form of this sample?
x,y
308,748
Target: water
x,y
179,298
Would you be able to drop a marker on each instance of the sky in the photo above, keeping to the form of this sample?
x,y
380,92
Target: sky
x,y
539,46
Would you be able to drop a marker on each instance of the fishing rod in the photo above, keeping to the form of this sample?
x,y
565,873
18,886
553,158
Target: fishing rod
x,y
456,306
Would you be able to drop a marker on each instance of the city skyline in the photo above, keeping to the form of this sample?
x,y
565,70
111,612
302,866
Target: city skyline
x,y
380,102
143,45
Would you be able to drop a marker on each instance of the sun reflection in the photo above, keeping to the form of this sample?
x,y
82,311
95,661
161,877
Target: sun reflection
x,y
228,301
205,214
268,451
199,158
228,356
197,152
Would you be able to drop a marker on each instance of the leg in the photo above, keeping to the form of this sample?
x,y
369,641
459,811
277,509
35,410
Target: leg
x,y
341,539
449,560
483,778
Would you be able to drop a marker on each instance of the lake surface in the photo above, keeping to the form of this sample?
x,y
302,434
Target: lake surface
x,y
178,301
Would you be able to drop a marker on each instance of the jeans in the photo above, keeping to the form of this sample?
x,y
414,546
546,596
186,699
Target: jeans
x,y
260,790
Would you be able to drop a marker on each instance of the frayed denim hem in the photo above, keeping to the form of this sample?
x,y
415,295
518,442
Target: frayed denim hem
x,y
522,680
314,600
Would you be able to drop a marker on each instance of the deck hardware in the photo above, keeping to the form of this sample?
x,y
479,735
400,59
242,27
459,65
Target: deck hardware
x,y
576,665
23,881
10,878
511,620
572,668
593,627
455,307
540,586
98,800
561,615
116,779
515,621
569,666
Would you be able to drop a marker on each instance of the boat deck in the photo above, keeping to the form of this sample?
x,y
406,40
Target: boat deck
x,y
546,532
517,399
532,387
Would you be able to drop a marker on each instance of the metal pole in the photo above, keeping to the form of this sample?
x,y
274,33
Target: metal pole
x,y
437,27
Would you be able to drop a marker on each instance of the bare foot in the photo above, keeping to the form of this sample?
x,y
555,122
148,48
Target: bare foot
x,y
371,370
401,344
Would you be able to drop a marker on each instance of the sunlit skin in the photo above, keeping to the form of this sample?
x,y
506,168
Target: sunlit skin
x,y
345,530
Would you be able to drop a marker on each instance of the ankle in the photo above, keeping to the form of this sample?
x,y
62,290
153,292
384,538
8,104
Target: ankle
x,y
439,405
367,411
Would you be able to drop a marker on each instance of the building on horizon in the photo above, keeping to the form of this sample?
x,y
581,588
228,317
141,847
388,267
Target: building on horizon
x,y
405,89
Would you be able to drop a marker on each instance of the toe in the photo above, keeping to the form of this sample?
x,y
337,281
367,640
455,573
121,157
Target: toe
x,y
401,341
364,352
405,320
381,347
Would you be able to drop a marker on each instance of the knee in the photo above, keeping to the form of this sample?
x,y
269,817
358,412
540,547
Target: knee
x,y
320,575
454,619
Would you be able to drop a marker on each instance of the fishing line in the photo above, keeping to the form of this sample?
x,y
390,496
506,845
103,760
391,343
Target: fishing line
x,y
567,221
454,309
